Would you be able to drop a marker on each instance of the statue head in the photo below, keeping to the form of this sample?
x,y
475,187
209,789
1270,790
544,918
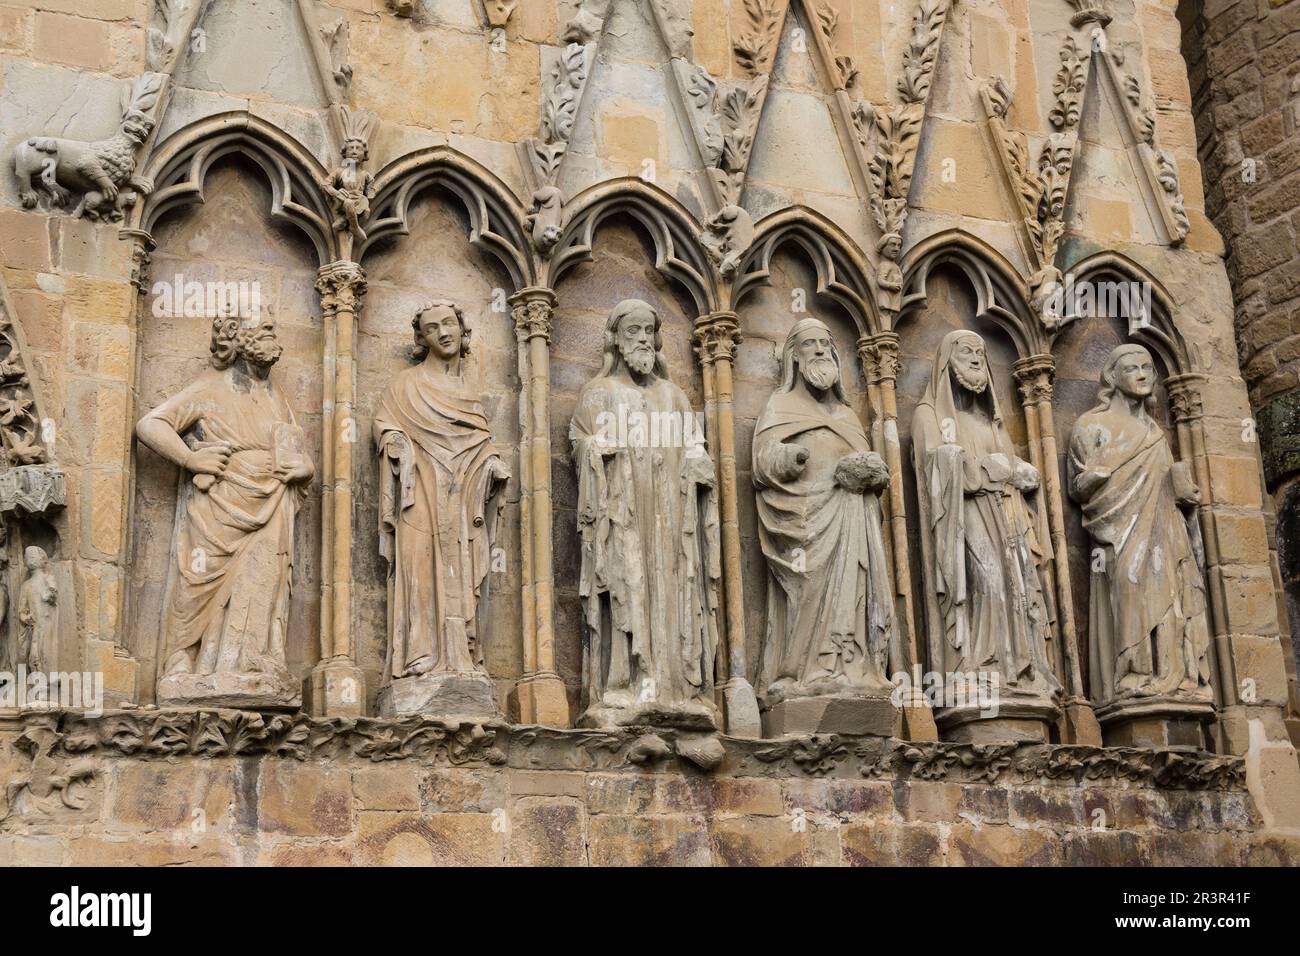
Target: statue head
x,y
137,126
1131,371
890,245
632,337
440,327
35,558
252,339
810,352
356,149
969,363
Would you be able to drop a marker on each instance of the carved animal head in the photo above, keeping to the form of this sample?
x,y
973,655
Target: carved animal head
x,y
137,126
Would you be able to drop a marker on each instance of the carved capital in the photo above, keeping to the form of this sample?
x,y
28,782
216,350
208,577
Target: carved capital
x,y
1034,375
532,309
341,285
1185,397
879,355
716,337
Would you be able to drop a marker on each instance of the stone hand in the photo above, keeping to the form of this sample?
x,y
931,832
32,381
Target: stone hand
x,y
1185,488
1025,477
497,470
302,471
1089,481
209,459
794,458
396,445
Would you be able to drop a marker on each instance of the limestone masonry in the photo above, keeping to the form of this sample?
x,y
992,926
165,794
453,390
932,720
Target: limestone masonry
x,y
692,432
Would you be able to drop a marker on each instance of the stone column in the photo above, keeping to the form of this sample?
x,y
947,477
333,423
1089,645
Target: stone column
x,y
337,686
880,361
1034,375
542,698
716,337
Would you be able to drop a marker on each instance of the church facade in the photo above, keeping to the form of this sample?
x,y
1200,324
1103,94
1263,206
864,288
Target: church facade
x,y
801,432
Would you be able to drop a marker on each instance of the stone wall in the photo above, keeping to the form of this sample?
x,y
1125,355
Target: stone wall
x,y
1244,59
212,790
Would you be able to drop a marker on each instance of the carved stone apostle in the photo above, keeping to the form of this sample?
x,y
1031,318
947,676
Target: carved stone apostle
x,y
227,612
441,490
648,523
1148,634
37,611
983,558
830,621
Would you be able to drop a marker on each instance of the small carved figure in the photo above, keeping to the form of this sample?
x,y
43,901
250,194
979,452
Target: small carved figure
x,y
37,611
103,171
349,187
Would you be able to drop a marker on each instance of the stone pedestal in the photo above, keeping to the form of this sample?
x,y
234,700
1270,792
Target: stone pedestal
x,y
1026,722
542,700
740,707
692,715
442,695
120,670
248,691
876,716
1078,724
1155,722
335,688
918,722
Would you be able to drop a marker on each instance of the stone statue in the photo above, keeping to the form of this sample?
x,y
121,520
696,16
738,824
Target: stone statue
x,y
830,621
441,490
983,558
103,171
648,523
227,612
350,187
37,612
1148,634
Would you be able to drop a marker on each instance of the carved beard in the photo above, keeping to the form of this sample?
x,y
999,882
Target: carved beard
x,y
820,373
258,350
640,359
975,381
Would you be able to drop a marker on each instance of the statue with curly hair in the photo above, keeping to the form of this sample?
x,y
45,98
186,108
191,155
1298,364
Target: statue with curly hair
x,y
441,489
227,611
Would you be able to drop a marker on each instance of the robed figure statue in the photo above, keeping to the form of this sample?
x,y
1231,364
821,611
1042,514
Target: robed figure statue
x,y
441,489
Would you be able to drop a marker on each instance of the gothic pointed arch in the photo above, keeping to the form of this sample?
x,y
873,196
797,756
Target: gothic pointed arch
x,y
179,166
842,269
673,231
495,216
999,289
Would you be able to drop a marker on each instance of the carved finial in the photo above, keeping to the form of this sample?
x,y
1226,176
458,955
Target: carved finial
x,y
1068,87
1090,11
756,48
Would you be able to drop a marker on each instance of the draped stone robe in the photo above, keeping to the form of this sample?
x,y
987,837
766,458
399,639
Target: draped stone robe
x,y
1148,633
648,522
830,618
986,557
439,502
234,541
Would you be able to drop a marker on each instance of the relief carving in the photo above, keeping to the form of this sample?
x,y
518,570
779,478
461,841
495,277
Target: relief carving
x,y
350,187
38,612
441,491
546,151
103,172
244,474
648,524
